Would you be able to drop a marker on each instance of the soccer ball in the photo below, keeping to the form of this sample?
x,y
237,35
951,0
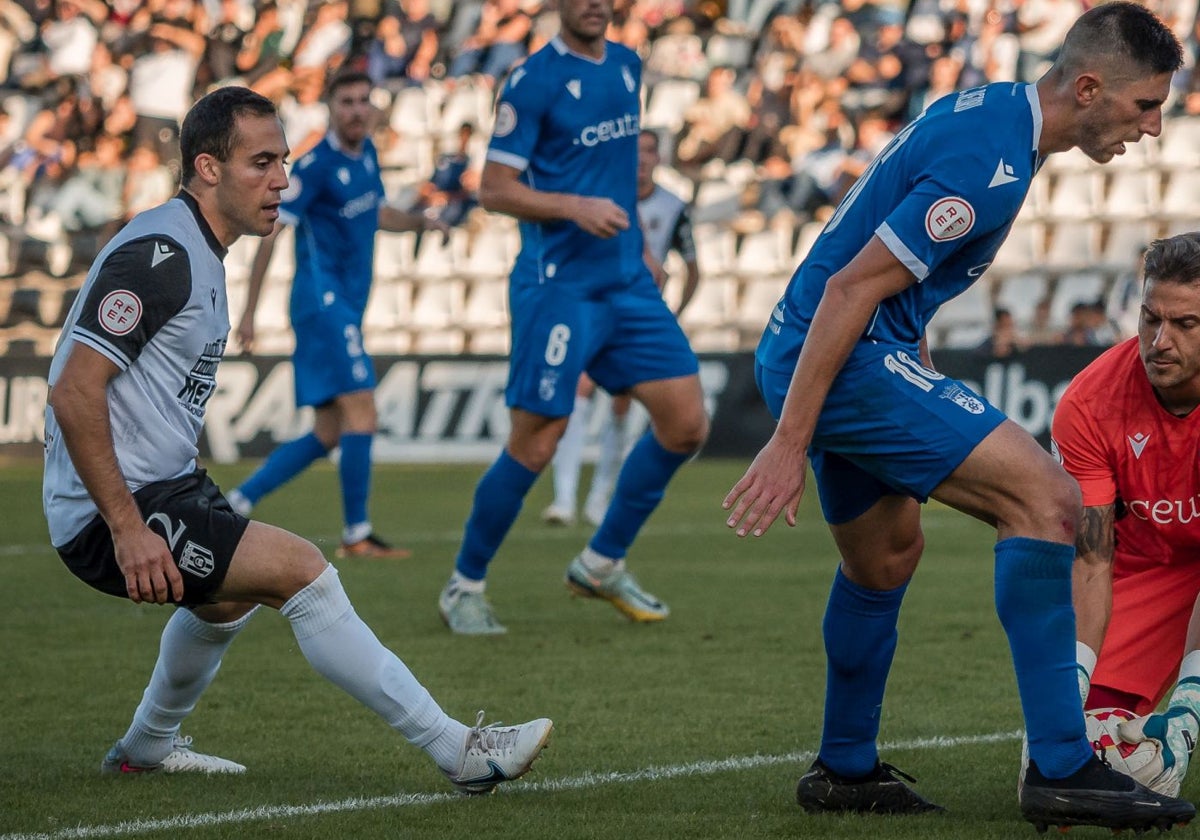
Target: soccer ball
x,y
1142,761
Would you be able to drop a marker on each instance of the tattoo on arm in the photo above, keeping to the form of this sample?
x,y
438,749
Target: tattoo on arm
x,y
1096,535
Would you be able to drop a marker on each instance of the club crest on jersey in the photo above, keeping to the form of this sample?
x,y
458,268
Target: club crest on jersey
x,y
949,218
963,398
630,84
120,312
506,120
196,559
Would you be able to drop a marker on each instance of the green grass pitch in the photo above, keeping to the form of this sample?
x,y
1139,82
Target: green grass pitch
x,y
697,728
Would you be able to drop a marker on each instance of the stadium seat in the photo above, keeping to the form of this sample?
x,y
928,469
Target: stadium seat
x,y
1076,195
492,251
395,254
1072,160
1073,245
441,341
765,253
1181,196
438,305
715,303
1133,194
714,339
282,266
1024,249
967,312
964,336
1021,293
389,307
435,257
668,100
1180,145
729,51
25,306
487,304
1077,287
411,115
759,298
1126,241
492,341
716,249
805,239
717,200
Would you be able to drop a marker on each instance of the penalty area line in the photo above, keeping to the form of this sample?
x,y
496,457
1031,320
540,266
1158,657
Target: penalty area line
x,y
569,783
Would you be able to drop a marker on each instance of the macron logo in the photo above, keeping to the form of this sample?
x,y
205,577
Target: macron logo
x,y
161,252
1138,443
1004,175
575,88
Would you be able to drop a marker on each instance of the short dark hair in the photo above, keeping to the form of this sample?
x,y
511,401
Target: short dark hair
x,y
345,78
210,127
1122,31
1175,259
650,132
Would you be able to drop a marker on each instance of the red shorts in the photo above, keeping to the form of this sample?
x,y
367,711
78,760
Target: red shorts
x,y
1146,634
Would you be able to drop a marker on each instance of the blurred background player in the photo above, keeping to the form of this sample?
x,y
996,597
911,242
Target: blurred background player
x,y
666,225
336,200
1128,431
844,365
132,515
582,300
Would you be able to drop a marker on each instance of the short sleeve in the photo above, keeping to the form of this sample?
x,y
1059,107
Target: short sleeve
x,y
518,123
140,287
949,205
1080,447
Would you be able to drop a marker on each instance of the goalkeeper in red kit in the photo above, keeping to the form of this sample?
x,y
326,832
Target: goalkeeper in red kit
x,y
1128,431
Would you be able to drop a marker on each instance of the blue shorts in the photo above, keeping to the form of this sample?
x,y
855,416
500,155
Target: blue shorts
x,y
889,426
622,339
329,359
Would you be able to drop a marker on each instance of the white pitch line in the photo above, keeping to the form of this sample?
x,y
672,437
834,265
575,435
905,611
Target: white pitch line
x,y
569,783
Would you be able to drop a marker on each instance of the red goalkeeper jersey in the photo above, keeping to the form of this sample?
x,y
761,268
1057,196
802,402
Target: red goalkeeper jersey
x,y
1122,446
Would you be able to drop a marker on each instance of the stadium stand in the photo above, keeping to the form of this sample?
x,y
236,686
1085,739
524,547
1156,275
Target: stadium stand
x,y
1080,220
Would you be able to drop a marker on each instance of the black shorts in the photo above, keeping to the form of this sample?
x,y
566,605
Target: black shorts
x,y
190,513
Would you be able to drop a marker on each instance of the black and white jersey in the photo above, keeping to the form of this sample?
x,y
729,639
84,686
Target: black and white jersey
x,y
154,304
666,224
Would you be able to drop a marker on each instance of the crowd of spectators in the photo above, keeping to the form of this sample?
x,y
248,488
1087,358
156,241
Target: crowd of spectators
x,y
792,98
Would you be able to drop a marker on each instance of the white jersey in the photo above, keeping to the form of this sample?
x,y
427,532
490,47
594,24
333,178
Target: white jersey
x,y
666,224
154,304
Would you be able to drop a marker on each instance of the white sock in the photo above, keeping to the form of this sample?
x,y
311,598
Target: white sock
x,y
189,656
356,533
569,456
1085,664
608,465
343,649
599,565
457,581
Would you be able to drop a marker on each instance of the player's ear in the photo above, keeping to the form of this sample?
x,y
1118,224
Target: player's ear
x,y
208,168
1087,88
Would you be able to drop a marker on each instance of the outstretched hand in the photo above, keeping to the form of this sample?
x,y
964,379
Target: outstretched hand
x,y
773,484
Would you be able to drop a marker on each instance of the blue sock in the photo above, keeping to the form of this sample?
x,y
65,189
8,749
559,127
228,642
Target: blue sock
x,y
860,640
354,470
498,499
284,464
1033,600
640,486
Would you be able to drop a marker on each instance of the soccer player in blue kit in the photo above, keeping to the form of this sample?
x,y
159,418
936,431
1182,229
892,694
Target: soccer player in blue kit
x,y
336,202
563,161
844,366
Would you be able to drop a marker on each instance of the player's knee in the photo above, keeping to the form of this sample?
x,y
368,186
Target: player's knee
x,y
685,432
300,570
890,568
1053,511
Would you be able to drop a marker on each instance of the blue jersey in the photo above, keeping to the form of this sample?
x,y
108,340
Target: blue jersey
x,y
941,196
333,199
570,124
